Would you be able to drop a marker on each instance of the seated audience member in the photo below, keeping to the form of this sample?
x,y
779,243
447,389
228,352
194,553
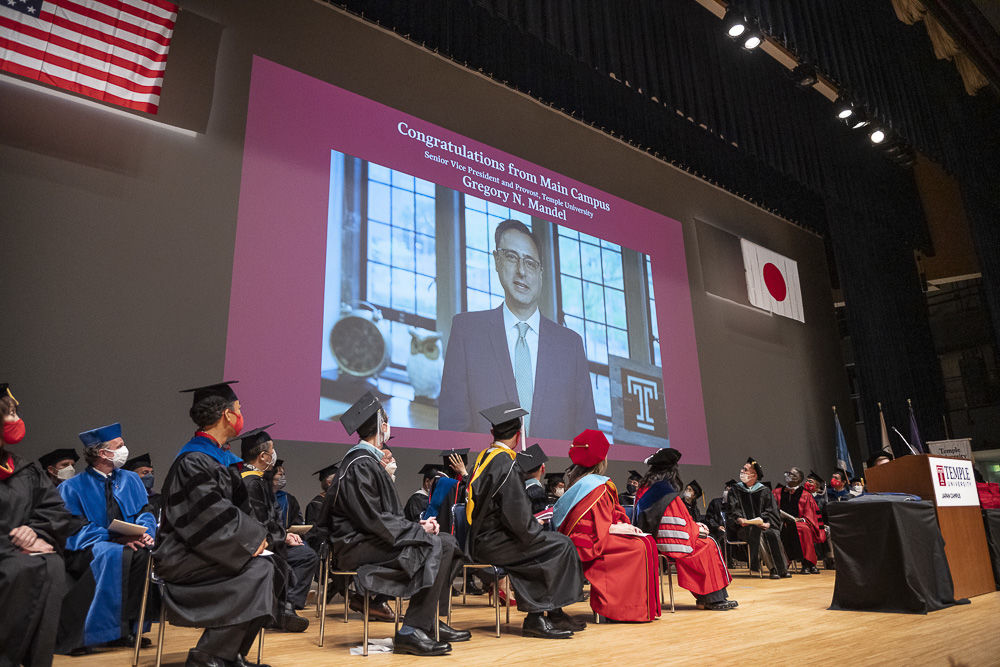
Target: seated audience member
x,y
209,547
326,476
100,494
34,525
715,519
448,490
627,497
752,515
839,488
555,486
879,458
660,511
619,561
59,464
857,486
815,487
294,561
800,527
692,492
289,512
532,464
392,555
419,499
142,466
543,566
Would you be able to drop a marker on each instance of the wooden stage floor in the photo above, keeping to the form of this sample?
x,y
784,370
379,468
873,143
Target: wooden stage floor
x,y
777,623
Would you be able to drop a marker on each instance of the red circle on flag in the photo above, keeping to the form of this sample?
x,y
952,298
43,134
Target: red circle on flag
x,y
775,282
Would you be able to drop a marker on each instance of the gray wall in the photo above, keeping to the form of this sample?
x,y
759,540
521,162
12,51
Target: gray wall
x,y
118,243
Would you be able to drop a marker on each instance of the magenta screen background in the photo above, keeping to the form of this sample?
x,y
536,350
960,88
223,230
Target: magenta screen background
x,y
275,335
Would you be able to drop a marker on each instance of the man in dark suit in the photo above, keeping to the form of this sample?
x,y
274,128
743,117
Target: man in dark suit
x,y
513,353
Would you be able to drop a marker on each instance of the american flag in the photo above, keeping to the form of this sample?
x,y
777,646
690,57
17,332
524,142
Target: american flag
x,y
111,50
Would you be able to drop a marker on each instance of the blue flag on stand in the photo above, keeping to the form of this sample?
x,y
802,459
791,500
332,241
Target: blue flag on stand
x,y
915,440
843,457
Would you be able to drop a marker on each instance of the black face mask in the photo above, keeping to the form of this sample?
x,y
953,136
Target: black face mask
x,y
147,482
632,488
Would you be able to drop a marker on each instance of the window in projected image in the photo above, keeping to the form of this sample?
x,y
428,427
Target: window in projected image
x,y
414,309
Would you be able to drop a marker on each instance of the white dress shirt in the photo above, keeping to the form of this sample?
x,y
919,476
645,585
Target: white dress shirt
x,y
510,323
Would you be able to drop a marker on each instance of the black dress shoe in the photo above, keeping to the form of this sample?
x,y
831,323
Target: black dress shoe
x,y
419,643
774,575
292,622
563,621
129,641
721,605
813,569
197,658
241,661
451,635
786,575
537,625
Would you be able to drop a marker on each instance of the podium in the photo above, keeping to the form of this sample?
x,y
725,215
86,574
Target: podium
x,y
949,484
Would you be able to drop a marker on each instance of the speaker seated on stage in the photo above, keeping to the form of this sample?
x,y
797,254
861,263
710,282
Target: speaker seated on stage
x,y
800,525
752,516
661,512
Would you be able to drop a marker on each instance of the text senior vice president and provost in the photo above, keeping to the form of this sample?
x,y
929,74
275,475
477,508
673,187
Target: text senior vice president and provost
x,y
513,353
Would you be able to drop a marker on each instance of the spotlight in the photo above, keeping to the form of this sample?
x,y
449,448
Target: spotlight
x,y
734,23
877,136
751,39
804,75
845,108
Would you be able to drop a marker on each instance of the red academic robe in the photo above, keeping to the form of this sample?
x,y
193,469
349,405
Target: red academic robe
x,y
809,530
700,566
621,569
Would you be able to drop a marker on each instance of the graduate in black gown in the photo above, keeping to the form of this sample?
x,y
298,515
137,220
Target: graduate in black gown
x,y
692,492
752,516
59,464
543,566
532,464
209,548
326,476
294,561
142,466
392,555
418,501
33,520
627,497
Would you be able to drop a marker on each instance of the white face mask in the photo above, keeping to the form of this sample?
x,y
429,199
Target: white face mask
x,y
391,469
689,494
859,489
274,457
745,478
120,456
559,492
66,473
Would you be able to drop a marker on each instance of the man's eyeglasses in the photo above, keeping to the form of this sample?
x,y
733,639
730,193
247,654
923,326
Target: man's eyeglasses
x,y
511,257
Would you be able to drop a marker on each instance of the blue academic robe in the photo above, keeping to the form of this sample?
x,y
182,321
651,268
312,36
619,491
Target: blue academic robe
x,y
84,496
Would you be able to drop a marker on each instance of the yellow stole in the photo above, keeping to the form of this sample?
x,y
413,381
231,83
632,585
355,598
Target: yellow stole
x,y
482,461
247,473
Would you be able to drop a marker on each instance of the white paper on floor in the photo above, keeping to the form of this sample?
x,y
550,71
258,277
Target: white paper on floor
x,y
374,646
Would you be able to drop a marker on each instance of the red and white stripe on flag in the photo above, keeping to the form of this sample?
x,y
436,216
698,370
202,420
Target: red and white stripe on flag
x,y
772,281
111,50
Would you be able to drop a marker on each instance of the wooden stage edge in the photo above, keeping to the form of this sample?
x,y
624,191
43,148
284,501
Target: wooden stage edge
x,y
778,622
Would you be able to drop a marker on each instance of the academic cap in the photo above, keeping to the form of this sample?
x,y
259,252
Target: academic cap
x,y
430,470
634,474
814,476
252,438
501,414
532,458
756,467
362,410
103,434
663,458
221,389
323,473
553,477
877,455
589,448
57,455
462,454
696,487
141,461
5,391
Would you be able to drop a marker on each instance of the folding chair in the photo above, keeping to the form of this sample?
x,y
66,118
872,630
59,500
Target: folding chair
x,y
739,543
162,585
461,524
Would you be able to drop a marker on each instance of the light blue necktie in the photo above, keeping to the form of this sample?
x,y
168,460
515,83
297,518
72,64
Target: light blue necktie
x,y
523,376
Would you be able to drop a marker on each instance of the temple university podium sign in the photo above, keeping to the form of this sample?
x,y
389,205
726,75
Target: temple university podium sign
x,y
954,485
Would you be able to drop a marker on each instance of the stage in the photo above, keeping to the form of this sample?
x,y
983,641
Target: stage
x,y
778,622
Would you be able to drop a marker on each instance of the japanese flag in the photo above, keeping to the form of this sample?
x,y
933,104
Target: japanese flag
x,y
772,281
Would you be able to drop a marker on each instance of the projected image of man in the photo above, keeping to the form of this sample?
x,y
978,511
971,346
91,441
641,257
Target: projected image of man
x,y
514,353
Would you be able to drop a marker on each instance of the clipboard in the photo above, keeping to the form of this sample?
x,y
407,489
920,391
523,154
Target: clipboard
x,y
126,528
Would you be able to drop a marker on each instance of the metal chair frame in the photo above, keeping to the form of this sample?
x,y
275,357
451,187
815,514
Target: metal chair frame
x,y
152,578
479,566
741,543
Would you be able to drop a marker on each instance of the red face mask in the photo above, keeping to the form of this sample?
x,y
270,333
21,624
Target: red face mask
x,y
238,426
836,483
809,486
13,432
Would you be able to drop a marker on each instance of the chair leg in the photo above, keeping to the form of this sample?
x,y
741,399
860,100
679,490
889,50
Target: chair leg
x,y
496,598
324,580
159,638
509,598
437,620
670,585
364,651
465,577
347,583
399,602
260,647
449,602
142,612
